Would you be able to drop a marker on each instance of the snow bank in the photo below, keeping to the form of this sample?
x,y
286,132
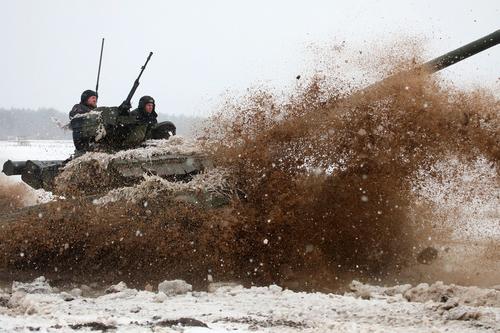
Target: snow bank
x,y
121,286
238,309
439,292
436,292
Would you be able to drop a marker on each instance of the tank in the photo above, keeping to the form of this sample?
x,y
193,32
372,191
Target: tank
x,y
111,131
41,174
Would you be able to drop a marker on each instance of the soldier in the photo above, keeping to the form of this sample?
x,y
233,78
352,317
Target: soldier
x,y
144,121
88,102
145,126
145,114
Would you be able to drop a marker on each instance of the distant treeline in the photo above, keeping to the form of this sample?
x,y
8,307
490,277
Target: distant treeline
x,y
46,124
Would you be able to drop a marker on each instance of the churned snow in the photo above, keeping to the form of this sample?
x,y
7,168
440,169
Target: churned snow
x,y
213,180
174,287
233,308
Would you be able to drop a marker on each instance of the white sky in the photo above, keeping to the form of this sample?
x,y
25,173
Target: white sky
x,y
50,48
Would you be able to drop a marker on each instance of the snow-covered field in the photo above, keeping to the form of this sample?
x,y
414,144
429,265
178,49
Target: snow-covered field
x,y
35,149
231,308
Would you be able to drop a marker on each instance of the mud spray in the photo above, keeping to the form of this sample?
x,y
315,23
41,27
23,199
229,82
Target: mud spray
x,y
329,184
11,196
15,195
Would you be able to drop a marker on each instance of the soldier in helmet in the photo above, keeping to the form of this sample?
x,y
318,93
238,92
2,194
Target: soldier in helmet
x,y
88,102
145,125
144,122
145,114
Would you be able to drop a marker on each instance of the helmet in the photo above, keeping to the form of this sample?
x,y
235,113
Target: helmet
x,y
86,95
145,100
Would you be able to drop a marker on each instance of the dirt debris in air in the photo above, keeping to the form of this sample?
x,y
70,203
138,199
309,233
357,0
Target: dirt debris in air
x,y
323,185
11,195
15,195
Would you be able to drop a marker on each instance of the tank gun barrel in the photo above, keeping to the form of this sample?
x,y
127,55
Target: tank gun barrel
x,y
441,62
463,52
37,174
12,168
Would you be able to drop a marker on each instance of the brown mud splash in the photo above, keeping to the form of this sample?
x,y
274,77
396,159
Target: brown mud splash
x,y
12,195
76,239
332,175
325,184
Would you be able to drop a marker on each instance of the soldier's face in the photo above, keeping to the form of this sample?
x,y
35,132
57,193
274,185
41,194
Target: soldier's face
x,y
149,107
92,101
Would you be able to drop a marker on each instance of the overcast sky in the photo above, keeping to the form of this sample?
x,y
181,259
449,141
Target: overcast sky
x,y
50,48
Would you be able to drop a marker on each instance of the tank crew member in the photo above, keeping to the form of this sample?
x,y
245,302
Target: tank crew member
x,y
88,102
146,115
145,125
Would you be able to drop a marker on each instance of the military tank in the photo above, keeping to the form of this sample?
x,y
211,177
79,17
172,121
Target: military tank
x,y
106,126
110,132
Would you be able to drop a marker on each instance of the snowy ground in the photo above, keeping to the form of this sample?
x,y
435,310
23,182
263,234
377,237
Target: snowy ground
x,y
35,150
232,308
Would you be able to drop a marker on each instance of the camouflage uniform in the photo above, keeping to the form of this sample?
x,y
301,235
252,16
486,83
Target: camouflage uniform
x,y
145,123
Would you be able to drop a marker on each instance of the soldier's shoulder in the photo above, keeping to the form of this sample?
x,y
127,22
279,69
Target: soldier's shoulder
x,y
80,106
135,113
79,109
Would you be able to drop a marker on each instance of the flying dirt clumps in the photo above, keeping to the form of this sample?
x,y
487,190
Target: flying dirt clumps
x,y
330,174
17,195
464,196
134,242
11,196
